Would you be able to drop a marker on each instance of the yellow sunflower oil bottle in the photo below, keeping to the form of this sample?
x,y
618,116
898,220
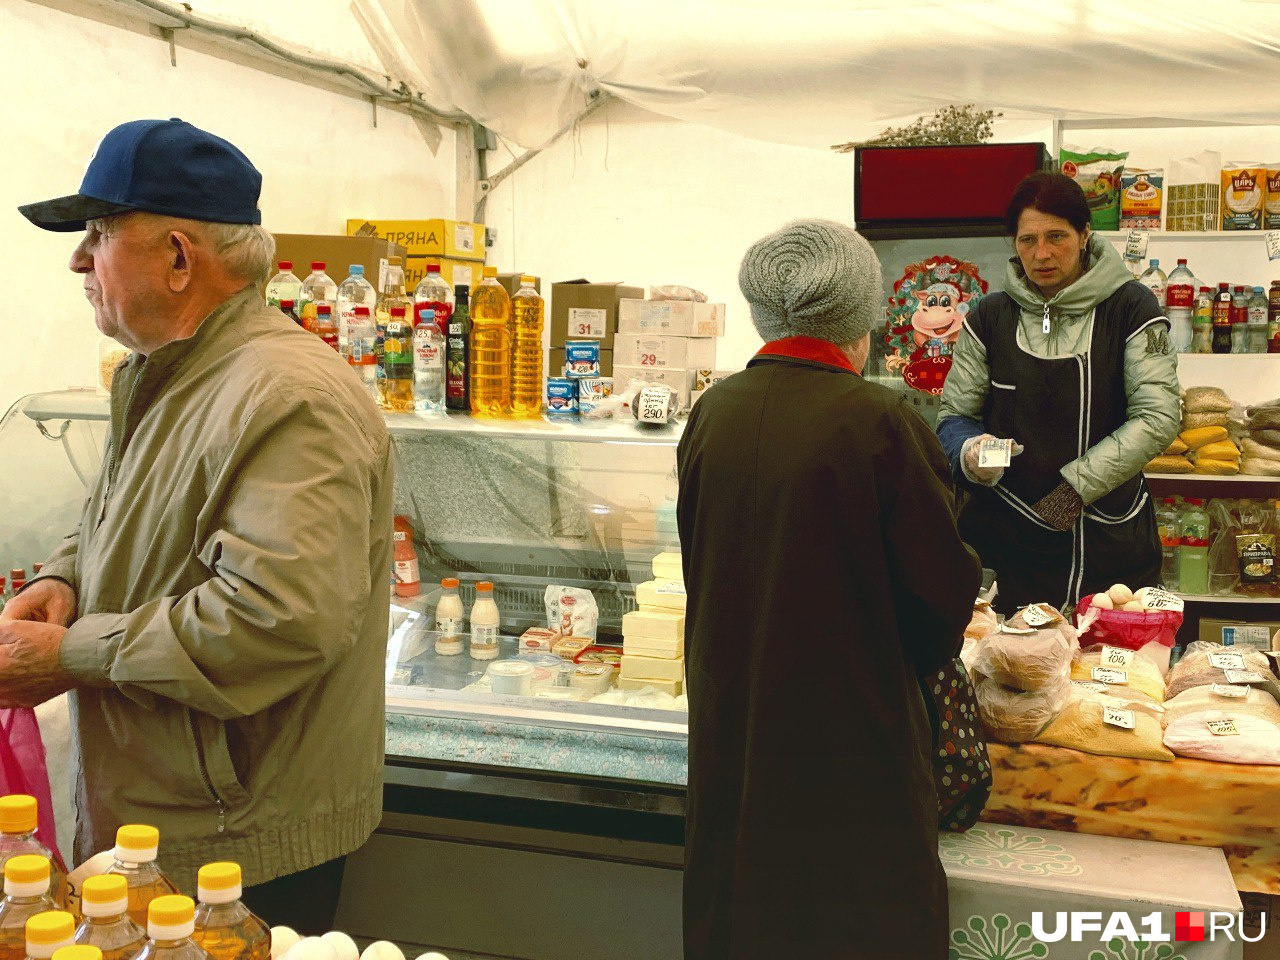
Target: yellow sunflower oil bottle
x,y
136,849
26,893
171,922
527,314
104,904
225,927
490,348
48,933
19,817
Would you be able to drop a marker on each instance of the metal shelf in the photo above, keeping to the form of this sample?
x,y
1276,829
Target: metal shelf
x,y
1154,235
1203,598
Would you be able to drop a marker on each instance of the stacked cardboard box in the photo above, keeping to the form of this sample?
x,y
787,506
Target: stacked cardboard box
x,y
586,311
666,341
457,246
338,253
653,636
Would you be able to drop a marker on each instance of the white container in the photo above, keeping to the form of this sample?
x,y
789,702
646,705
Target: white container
x,y
484,624
511,677
671,317
645,350
677,378
450,620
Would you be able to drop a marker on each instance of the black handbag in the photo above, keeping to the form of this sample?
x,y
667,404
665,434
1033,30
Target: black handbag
x,y
961,767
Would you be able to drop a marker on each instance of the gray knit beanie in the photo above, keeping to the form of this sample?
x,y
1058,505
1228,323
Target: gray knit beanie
x,y
813,278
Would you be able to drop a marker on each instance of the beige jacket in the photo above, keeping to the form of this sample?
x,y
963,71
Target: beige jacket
x,y
232,567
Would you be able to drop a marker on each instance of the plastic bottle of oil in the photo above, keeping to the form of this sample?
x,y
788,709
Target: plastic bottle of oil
x,y
171,923
19,817
136,849
490,348
526,351
225,927
26,893
104,903
77,952
48,933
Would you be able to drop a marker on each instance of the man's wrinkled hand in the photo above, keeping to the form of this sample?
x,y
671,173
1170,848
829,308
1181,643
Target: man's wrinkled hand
x,y
46,601
30,663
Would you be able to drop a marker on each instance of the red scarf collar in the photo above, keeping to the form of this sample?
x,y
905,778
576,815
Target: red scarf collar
x,y
811,349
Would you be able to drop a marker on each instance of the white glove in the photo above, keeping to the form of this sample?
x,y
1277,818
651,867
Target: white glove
x,y
987,476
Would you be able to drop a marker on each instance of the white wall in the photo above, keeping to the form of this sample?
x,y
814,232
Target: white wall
x,y
71,79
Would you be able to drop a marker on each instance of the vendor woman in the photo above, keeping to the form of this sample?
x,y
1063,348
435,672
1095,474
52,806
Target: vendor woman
x,y
1072,362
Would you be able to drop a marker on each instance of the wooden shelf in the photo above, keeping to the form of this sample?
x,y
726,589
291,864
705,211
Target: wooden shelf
x,y
1192,235
1202,598
1204,478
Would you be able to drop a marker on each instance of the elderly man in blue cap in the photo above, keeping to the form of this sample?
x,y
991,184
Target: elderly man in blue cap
x,y
220,614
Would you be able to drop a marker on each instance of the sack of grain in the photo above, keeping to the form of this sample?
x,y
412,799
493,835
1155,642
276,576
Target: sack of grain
x,y
1206,400
1194,726
1016,716
1028,654
1141,675
1124,725
1205,664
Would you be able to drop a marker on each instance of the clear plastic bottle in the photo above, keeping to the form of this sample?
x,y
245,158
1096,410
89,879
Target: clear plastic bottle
x,y
1180,302
1169,524
290,310
104,903
395,364
484,623
225,928
78,951
1239,320
325,325
49,932
450,619
1193,552
1273,317
527,311
1258,321
432,293
490,348
458,354
428,366
393,293
317,288
362,347
284,285
26,893
19,818
137,846
1202,322
355,291
171,922
1155,280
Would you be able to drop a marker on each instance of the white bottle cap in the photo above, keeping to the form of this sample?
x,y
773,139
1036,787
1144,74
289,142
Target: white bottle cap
x,y
36,888
100,911
131,855
214,897
178,932
45,951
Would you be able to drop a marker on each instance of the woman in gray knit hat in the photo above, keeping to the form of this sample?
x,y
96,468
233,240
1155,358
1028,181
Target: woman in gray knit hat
x,y
824,575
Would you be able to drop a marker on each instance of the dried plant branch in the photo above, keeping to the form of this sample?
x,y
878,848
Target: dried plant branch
x,y
951,125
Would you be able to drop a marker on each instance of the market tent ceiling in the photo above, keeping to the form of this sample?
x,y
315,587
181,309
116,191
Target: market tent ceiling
x,y
818,72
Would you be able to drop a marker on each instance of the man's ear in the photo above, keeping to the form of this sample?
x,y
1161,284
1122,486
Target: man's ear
x,y
181,256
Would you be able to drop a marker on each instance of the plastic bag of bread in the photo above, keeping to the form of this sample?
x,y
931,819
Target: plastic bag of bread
x,y
983,622
1016,716
1139,675
1205,664
1195,725
1031,651
1198,421
1169,464
1206,400
1126,725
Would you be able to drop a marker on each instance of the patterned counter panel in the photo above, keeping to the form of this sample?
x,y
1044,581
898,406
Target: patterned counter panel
x,y
1231,806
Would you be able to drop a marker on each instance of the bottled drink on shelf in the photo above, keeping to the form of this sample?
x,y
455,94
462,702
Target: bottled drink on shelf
x,y
284,285
450,619
1273,317
225,928
1202,322
490,348
1155,280
432,293
1258,321
1239,320
289,309
26,893
1193,552
1180,303
405,558
527,312
1169,524
325,325
355,291
49,932
393,294
458,354
104,904
362,337
1222,319
317,288
484,623
17,580
171,923
136,849
428,366
19,819
395,369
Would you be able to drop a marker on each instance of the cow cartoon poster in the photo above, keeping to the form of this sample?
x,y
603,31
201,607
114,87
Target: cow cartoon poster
x,y
925,313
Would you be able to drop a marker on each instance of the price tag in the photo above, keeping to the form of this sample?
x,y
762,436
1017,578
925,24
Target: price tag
x,y
1273,244
1040,615
462,276
587,322
1135,245
1226,661
1115,717
1108,675
1244,676
1015,631
1223,728
1229,691
1117,657
1088,686
654,404
1157,599
464,237
994,452
672,588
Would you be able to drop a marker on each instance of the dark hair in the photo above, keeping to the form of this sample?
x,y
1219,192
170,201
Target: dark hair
x,y
1052,193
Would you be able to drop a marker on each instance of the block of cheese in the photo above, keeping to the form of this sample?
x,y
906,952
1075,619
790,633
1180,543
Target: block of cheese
x,y
653,624
668,566
651,668
645,647
673,687
661,595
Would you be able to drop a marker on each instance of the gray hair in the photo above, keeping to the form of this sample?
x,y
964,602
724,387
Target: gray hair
x,y
247,250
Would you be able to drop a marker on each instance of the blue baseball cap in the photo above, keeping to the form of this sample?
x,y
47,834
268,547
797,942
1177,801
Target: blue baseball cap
x,y
160,166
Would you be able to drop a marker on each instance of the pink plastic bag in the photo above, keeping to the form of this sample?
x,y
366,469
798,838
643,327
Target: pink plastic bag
x,y
23,769
1127,628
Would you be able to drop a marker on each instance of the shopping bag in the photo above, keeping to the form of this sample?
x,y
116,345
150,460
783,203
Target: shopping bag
x,y
1130,629
23,769
961,768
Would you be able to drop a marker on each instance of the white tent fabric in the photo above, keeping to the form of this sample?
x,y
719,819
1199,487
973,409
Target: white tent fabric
x,y
818,72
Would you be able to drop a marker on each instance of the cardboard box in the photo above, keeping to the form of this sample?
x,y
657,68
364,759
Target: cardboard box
x,y
1257,635
338,253
428,241
587,311
511,281
681,318
704,379
555,363
679,380
645,350
456,273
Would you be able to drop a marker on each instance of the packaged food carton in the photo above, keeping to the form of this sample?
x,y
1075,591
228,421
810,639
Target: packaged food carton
x,y
682,318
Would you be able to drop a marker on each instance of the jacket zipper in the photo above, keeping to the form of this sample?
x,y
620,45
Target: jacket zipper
x,y
111,464
1047,325
204,773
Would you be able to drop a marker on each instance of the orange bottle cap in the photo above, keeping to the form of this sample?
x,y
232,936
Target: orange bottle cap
x,y
18,813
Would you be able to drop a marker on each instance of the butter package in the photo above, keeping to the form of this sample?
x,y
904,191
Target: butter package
x,y
647,647
673,687
1141,197
662,595
651,668
592,678
569,648
581,359
1243,186
537,640
653,624
668,566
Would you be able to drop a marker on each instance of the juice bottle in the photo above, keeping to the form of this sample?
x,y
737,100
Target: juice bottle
x,y
49,932
1170,526
135,853
526,351
225,928
19,817
325,325
490,348
450,619
1222,319
171,922
26,893
395,366
1193,552
317,289
1202,322
458,354
484,625
104,902
406,558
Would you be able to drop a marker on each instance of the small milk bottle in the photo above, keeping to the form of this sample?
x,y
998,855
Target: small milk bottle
x,y
484,624
450,619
